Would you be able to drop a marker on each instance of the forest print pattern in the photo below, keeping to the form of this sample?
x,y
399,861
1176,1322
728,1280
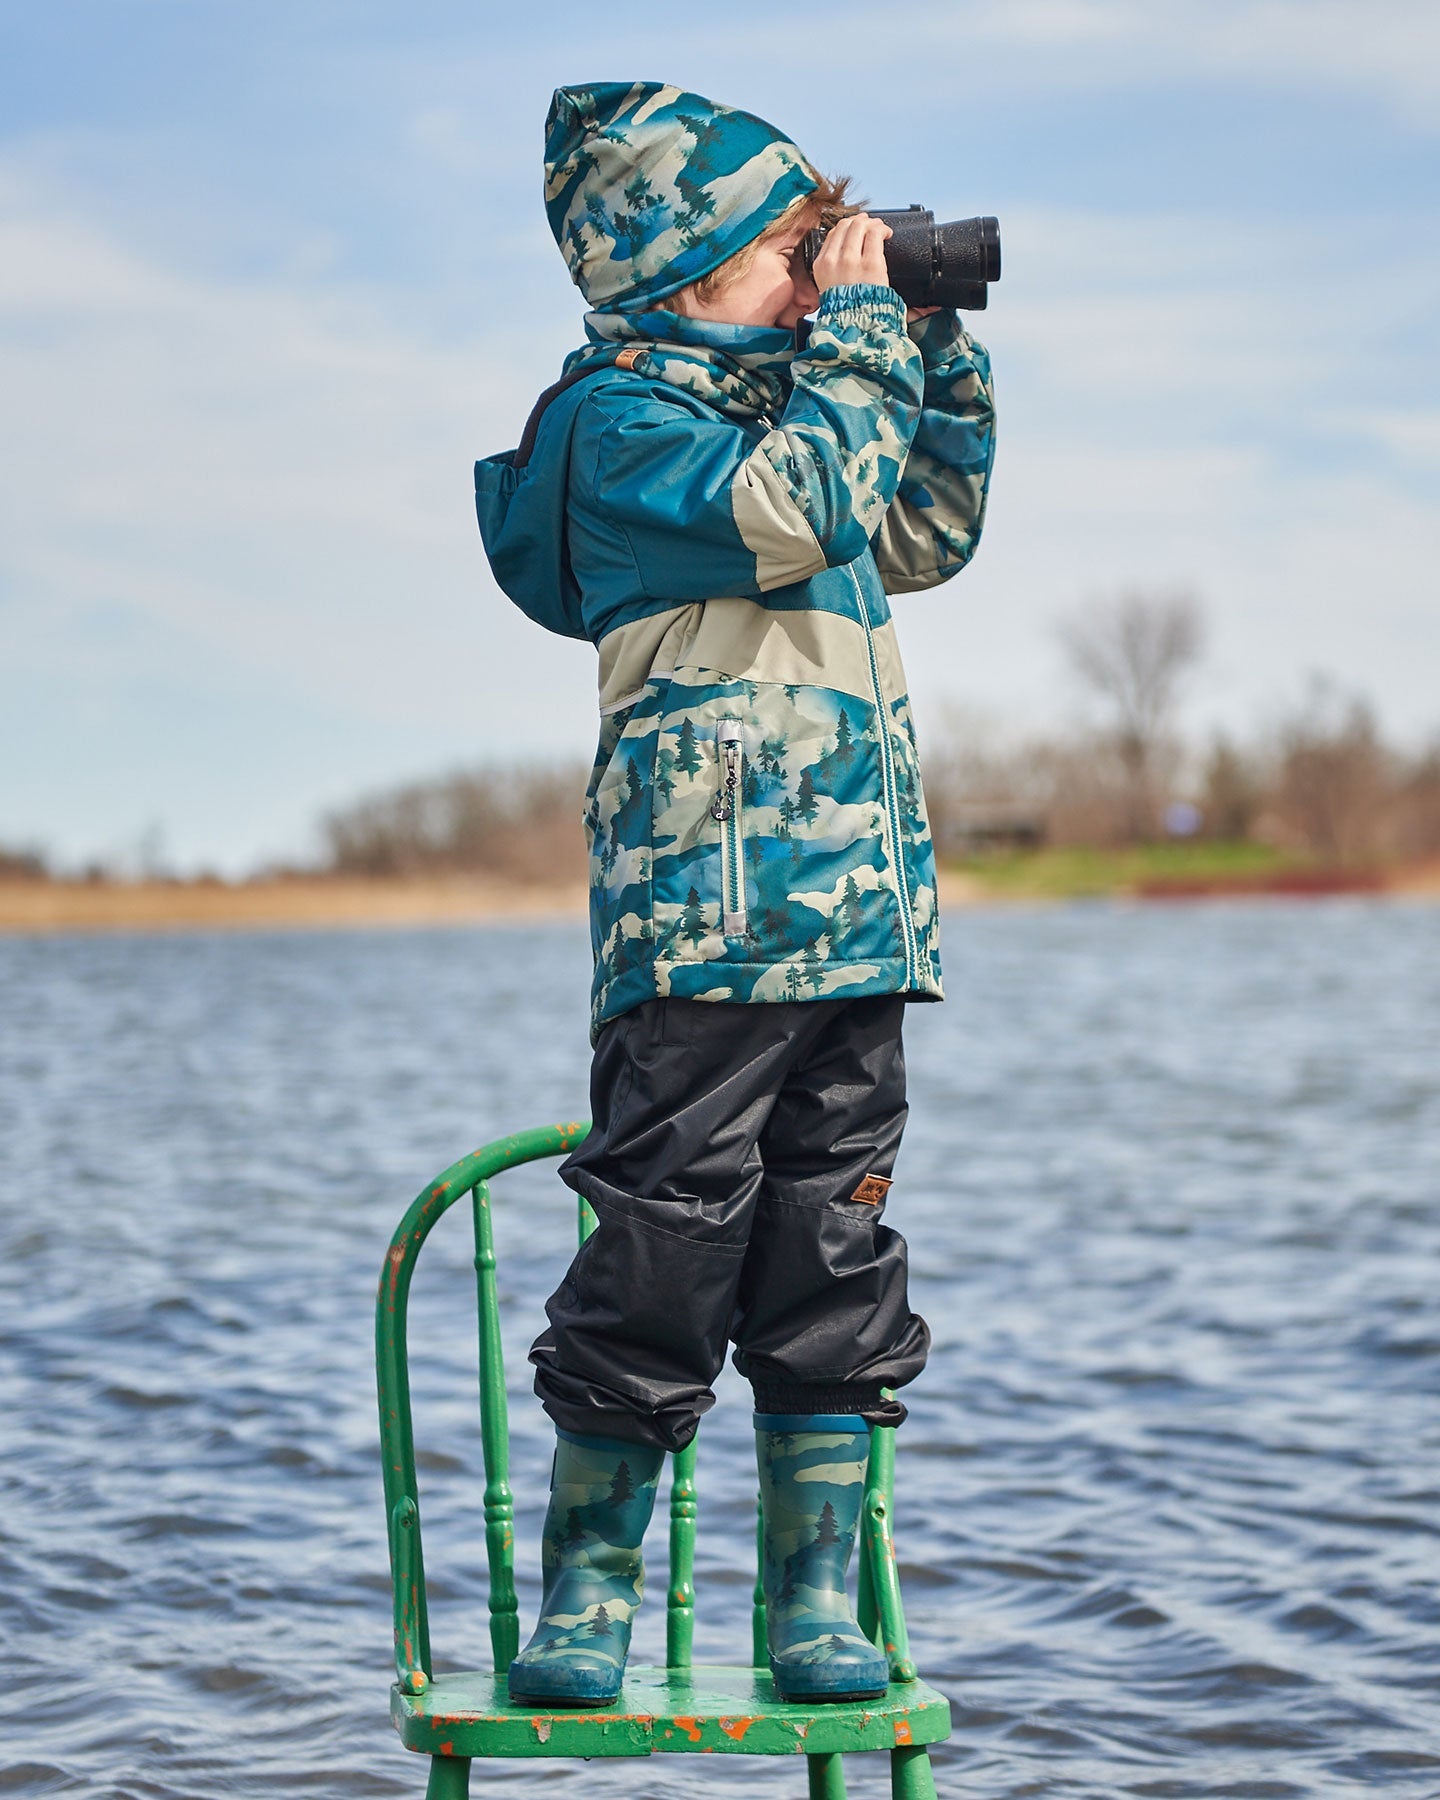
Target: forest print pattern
x,y
648,187
822,889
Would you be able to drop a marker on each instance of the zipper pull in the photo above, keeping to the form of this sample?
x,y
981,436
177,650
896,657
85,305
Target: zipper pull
x,y
722,807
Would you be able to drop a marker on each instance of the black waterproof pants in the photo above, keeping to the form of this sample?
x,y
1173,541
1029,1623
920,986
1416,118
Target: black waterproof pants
x,y
738,1167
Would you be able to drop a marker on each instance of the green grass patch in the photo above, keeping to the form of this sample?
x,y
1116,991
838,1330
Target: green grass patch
x,y
1078,872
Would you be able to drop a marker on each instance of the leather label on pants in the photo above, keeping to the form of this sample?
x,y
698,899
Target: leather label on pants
x,y
872,1190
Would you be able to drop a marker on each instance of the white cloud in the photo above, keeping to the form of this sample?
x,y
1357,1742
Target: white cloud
x,y
1413,437
1386,48
265,493
284,473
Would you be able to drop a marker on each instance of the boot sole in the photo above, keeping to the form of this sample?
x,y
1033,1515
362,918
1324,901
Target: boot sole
x,y
559,1693
826,1697
803,1693
553,1702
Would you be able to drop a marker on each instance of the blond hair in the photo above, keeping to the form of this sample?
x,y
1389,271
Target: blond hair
x,y
822,206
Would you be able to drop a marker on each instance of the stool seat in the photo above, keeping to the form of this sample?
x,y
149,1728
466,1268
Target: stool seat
x,y
706,1708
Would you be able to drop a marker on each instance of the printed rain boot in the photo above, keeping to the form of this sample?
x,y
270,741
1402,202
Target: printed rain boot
x,y
602,1493
812,1483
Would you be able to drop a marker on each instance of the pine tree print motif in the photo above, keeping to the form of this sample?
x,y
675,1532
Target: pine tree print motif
x,y
806,805
692,920
844,738
687,756
814,973
849,914
665,776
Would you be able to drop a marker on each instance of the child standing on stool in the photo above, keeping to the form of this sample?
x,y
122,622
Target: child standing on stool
x,y
720,500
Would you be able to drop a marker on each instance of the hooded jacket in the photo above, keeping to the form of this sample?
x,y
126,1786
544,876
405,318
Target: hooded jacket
x,y
722,510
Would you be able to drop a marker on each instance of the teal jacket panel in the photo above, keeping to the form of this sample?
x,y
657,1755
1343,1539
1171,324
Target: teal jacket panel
x,y
755,815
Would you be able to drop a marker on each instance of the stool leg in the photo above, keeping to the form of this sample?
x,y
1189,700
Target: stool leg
x,y
827,1776
449,1778
910,1774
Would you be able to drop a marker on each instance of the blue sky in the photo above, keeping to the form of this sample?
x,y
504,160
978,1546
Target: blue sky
x,y
273,275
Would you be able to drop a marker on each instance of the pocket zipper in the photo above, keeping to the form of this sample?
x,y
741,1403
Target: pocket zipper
x,y
727,809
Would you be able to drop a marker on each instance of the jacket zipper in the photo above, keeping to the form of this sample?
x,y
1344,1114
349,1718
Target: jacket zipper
x,y
892,795
728,808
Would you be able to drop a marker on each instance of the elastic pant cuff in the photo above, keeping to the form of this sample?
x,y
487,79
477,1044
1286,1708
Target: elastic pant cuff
x,y
862,1397
670,1429
810,1422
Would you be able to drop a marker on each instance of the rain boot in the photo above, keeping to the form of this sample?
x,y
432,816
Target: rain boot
x,y
602,1493
812,1483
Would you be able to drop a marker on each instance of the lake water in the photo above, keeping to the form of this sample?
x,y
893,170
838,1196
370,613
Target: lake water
x,y
1169,1503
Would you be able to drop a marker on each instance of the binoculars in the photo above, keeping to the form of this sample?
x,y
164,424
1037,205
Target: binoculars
x,y
930,264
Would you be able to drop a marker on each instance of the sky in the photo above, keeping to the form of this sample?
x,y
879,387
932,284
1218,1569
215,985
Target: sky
x,y
273,273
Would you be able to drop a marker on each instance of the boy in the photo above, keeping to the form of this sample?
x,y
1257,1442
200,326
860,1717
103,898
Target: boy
x,y
720,502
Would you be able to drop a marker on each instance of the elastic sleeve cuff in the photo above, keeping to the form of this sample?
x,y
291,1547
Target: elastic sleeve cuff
x,y
865,304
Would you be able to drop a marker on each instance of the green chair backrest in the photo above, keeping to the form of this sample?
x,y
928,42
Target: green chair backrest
x,y
880,1613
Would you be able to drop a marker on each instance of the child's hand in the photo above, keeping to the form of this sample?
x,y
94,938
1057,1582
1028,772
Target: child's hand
x,y
853,254
912,313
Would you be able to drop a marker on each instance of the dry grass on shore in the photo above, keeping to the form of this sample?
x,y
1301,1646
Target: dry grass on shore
x,y
293,903
298,903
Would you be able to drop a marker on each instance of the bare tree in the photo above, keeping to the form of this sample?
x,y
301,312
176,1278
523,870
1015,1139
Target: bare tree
x,y
517,822
1233,788
1134,652
1415,824
1334,777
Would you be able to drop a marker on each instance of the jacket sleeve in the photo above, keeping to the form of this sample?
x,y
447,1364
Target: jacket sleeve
x,y
933,524
707,513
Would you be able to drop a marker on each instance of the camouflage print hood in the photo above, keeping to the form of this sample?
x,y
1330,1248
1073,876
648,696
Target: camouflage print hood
x,y
648,187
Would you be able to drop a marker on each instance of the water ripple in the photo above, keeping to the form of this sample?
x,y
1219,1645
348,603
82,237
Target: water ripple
x,y
1169,1496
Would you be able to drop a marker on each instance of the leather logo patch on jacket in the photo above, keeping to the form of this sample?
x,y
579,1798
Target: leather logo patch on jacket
x,y
872,1190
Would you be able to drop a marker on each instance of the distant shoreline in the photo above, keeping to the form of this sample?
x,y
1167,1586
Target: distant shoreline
x,y
294,903
330,903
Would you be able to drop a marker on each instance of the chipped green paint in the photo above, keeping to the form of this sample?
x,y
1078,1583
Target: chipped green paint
x,y
707,1708
397,1443
673,1710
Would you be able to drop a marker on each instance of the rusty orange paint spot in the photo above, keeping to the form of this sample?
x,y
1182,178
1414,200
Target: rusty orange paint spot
x,y
736,1728
448,1747
902,1732
691,1728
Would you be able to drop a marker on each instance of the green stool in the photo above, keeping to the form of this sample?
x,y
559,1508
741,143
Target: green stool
x,y
680,1709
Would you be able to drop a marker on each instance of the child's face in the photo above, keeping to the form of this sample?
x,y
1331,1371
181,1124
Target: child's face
x,y
775,290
